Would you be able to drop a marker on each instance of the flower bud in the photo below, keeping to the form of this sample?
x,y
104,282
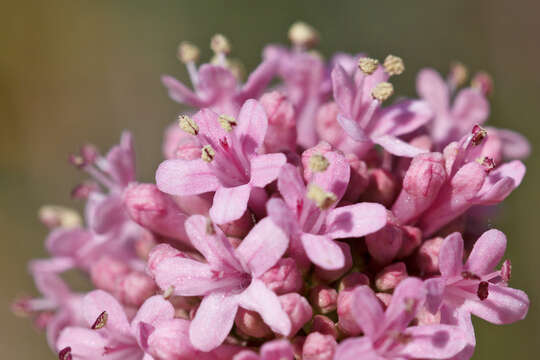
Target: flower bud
x,y
352,280
347,321
324,325
179,144
158,254
327,125
284,277
251,324
427,258
135,288
382,187
359,180
107,272
385,244
323,298
238,228
412,238
319,347
298,310
281,132
390,276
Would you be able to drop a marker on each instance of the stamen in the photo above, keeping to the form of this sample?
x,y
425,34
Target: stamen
x,y
483,82
506,271
227,122
58,216
208,153
458,74
169,292
318,163
303,35
368,65
65,354
210,227
483,291
76,160
188,124
220,45
187,52
469,275
382,91
101,321
321,198
478,135
394,65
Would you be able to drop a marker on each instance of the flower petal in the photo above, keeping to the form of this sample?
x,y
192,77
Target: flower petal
x,y
470,108
514,145
353,129
401,118
434,341
323,251
500,183
252,126
451,255
229,203
257,297
186,177
344,90
503,305
357,348
409,295
397,147
98,301
487,252
434,293
355,220
291,185
213,321
432,88
153,311
85,343
367,311
277,350
266,168
180,93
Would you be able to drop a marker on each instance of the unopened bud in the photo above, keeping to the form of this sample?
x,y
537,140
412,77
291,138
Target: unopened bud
x,y
250,323
324,325
368,65
319,347
303,35
298,310
187,52
284,277
382,91
394,65
391,276
323,298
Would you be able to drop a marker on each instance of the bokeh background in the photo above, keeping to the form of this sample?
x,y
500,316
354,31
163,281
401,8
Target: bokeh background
x,y
75,71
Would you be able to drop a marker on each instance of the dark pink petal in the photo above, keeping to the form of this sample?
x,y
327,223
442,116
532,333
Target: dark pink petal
x,y
229,203
257,297
367,311
263,246
451,255
355,220
291,185
180,93
409,295
153,311
503,305
252,125
186,177
323,251
501,182
266,168
433,341
432,88
84,343
357,348
98,301
486,253
435,293
213,321
397,147
470,108
514,145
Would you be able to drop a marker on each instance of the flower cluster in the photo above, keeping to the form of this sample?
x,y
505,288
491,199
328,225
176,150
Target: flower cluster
x,y
300,214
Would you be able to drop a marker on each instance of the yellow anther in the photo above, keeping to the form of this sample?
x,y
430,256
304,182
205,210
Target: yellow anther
x,y
368,65
208,153
318,163
188,124
394,65
187,52
302,34
220,45
458,73
169,292
59,216
382,91
321,198
227,122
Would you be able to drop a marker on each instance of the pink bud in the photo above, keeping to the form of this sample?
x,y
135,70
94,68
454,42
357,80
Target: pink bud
x,y
180,145
483,82
158,254
284,277
194,204
135,288
156,211
298,344
359,180
327,125
281,133
323,298
421,185
391,276
298,309
427,257
319,347
333,275
144,244
324,325
382,187
412,238
385,244
250,323
107,272
347,321
170,340
238,228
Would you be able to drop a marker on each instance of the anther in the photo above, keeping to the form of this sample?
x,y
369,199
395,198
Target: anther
x,y
368,65
318,163
77,161
483,290
188,124
65,354
458,73
478,134
483,82
394,65
208,153
59,216
506,271
488,163
101,321
321,198
220,45
227,122
187,52
382,91
303,35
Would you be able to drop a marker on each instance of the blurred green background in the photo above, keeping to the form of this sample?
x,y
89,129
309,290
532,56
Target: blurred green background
x,y
76,71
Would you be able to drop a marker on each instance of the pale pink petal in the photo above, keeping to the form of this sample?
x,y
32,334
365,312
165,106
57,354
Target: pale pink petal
x,y
121,160
213,321
170,340
434,293
357,348
246,355
487,252
52,286
323,251
367,311
263,246
432,88
180,93
257,297
291,185
470,108
210,130
277,350
503,305
66,242
344,90
401,118
409,295
434,341
451,255
501,182
266,168
229,203
257,80
104,215
252,126
216,83
514,145
282,216
85,343
353,129
355,220
153,311
186,177
397,147
98,301
61,319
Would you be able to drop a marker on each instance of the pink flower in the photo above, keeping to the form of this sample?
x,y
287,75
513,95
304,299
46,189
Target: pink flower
x,y
363,119
310,217
230,278
475,287
229,165
387,334
272,350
